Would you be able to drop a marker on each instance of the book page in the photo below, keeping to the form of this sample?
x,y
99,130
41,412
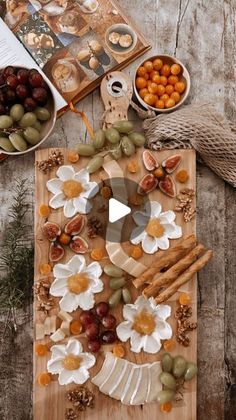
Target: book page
x,y
13,53
75,42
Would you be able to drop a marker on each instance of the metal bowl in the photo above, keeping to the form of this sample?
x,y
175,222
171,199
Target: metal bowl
x,y
167,59
47,126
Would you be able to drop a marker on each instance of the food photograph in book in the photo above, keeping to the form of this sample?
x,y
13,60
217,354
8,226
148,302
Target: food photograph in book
x,y
66,75
15,12
39,39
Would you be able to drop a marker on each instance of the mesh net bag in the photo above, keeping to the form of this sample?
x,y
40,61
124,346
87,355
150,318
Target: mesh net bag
x,y
200,127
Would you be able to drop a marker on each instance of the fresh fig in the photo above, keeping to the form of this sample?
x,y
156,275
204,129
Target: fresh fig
x,y
79,245
75,225
167,186
147,184
56,252
171,163
149,161
51,231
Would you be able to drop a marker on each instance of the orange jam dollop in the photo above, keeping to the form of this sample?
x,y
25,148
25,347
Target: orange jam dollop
x,y
78,283
71,362
144,323
155,228
72,188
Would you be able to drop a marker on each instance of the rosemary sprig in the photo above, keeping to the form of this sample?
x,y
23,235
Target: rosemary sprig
x,y
17,257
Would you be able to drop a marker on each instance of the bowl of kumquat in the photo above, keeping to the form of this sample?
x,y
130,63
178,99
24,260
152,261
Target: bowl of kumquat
x,y
162,83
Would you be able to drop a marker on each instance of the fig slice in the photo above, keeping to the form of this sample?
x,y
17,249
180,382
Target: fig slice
x,y
51,231
56,252
75,225
167,186
79,245
147,184
171,163
149,161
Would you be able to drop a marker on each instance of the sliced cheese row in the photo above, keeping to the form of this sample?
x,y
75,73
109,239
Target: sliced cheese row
x,y
128,382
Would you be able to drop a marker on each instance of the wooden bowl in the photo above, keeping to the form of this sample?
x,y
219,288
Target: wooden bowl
x,y
184,76
47,126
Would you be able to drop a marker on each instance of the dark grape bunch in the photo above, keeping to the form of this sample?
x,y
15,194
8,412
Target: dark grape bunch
x,y
23,96
99,326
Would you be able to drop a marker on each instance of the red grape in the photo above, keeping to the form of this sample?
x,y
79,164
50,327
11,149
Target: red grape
x,y
22,76
2,97
2,80
7,71
12,81
40,95
22,91
10,95
2,109
86,318
92,331
29,104
102,309
94,345
35,79
109,321
108,337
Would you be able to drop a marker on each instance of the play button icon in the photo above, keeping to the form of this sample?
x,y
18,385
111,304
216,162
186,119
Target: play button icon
x,y
117,210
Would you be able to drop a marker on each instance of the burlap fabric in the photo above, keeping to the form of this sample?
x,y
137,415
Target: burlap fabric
x,y
202,128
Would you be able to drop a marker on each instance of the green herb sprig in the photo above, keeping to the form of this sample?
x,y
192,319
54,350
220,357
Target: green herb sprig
x,y
16,258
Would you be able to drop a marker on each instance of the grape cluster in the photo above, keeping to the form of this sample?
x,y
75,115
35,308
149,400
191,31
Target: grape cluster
x,y
99,326
23,96
18,85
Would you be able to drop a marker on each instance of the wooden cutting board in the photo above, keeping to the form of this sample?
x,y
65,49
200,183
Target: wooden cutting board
x,y
50,402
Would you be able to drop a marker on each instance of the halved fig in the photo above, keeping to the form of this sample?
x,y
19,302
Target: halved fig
x,y
167,186
149,161
56,252
51,231
147,184
79,245
75,225
171,163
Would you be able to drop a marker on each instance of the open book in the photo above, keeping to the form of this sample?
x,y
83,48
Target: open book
x,y
73,42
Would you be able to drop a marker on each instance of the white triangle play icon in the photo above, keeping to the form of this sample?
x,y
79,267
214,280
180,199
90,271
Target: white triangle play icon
x,y
117,210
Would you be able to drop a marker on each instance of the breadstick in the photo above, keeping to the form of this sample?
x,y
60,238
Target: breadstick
x,y
170,275
185,277
166,260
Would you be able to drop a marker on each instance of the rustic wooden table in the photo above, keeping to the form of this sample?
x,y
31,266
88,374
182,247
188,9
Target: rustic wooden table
x,y
202,34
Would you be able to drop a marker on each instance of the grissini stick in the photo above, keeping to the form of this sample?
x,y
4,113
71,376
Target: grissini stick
x,y
169,257
170,275
184,277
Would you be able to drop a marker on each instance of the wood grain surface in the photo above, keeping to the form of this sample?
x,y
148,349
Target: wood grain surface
x,y
50,403
202,35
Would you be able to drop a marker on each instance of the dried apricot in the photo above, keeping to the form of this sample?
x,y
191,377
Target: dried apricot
x,y
106,192
44,210
45,269
172,80
141,71
175,96
40,350
133,166
143,92
118,350
160,90
152,88
169,345
44,379
148,66
73,157
164,97
156,79
169,89
184,299
163,80
160,104
136,199
150,99
136,252
182,176
159,172
64,239
166,407
169,103
75,327
97,254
